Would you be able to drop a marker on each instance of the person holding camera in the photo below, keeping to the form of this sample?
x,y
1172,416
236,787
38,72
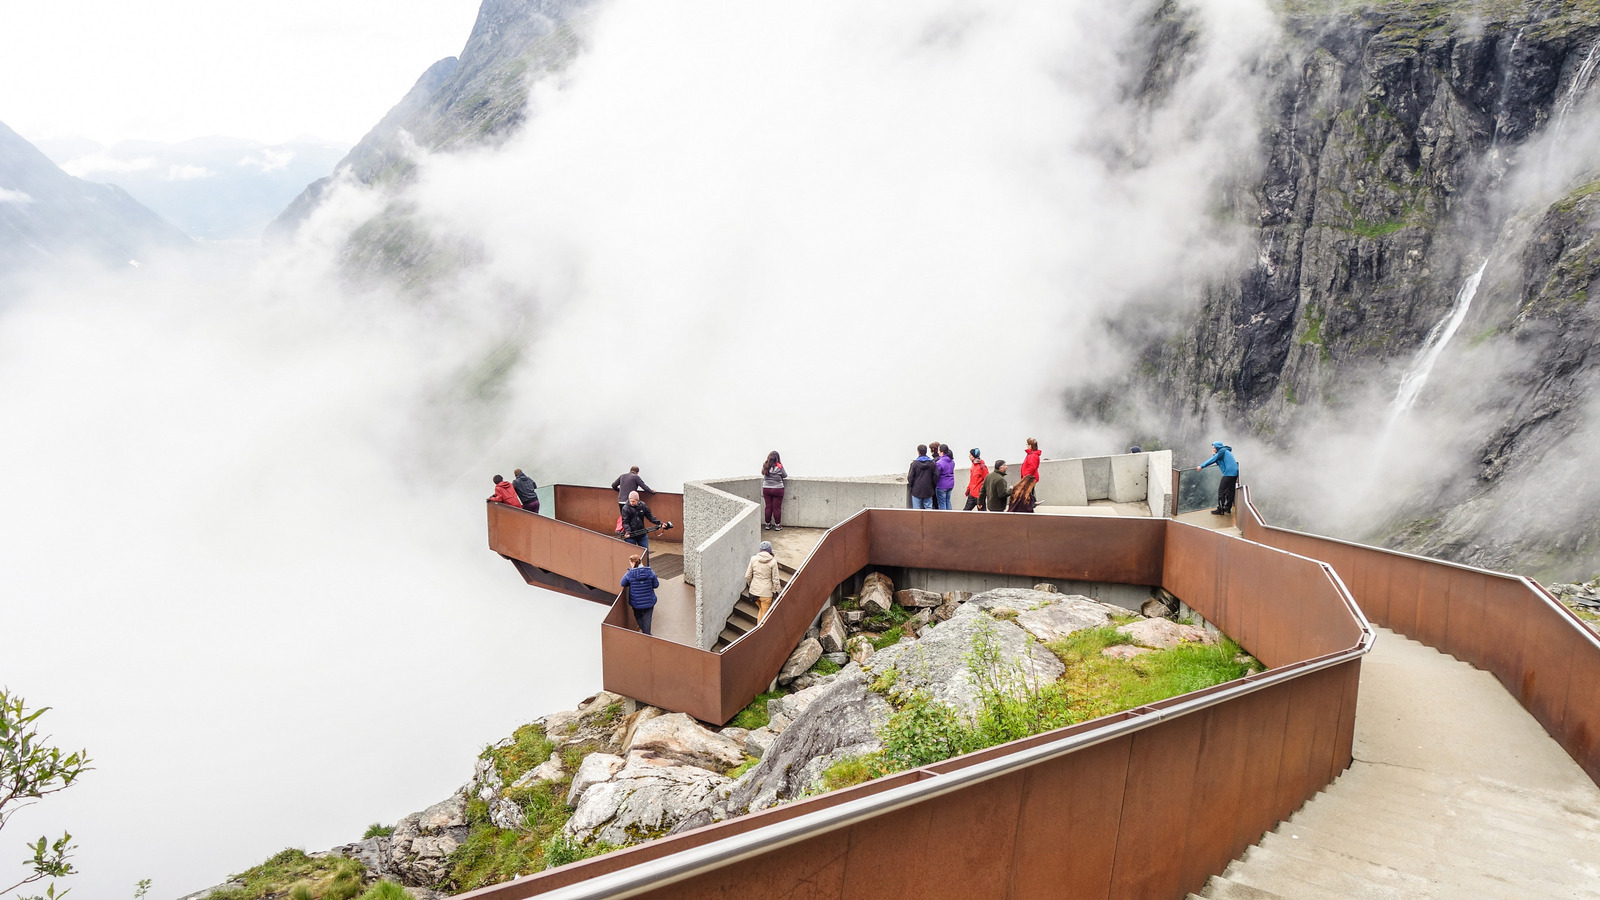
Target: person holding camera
x,y
634,516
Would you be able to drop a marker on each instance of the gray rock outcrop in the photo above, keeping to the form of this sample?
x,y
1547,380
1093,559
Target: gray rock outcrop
x,y
420,848
645,799
804,657
676,738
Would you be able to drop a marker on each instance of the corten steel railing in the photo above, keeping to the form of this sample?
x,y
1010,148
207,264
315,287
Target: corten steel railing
x,y
567,551
1542,653
595,508
1144,803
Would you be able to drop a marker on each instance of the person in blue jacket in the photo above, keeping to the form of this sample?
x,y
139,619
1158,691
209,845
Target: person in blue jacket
x,y
641,582
1224,461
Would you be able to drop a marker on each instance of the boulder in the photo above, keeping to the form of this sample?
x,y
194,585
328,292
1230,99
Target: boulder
x,y
622,735
590,723
549,770
842,719
645,799
956,597
1047,587
877,594
915,598
759,740
1164,634
1155,609
508,815
937,663
1065,614
680,740
838,659
486,781
859,648
804,657
853,617
596,768
420,848
1124,651
945,610
735,733
832,634
373,853
914,625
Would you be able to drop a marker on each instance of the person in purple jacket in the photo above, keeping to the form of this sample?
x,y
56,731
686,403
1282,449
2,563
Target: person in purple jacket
x,y
946,467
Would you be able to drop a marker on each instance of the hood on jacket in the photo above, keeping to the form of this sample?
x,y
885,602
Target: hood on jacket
x,y
764,557
1220,445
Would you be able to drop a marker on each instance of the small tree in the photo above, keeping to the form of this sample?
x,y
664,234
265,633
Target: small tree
x,y
30,769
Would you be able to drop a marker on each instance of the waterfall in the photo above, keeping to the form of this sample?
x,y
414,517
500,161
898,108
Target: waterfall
x,y
1580,79
1417,376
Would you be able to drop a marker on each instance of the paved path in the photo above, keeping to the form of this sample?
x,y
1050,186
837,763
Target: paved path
x,y
1455,792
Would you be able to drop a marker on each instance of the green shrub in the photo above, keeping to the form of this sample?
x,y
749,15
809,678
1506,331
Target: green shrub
x,y
561,849
853,770
301,892
377,829
825,666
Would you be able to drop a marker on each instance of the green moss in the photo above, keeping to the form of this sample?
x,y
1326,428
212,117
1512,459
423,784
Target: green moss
x,y
825,666
377,829
750,762
1288,393
1570,202
888,638
755,715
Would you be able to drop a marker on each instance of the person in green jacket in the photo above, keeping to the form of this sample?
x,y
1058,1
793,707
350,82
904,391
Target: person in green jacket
x,y
996,491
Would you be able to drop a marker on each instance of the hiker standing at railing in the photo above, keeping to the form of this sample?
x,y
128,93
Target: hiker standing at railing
x,y
634,515
996,490
772,479
527,491
641,582
945,465
627,483
1229,467
1030,460
923,477
980,471
505,493
761,579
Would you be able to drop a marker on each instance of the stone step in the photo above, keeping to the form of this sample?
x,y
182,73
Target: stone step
x,y
748,607
1529,812
1471,865
1266,871
1393,813
739,619
731,634
1312,873
1220,888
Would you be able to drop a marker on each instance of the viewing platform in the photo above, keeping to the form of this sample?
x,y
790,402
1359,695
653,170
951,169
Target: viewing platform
x,y
1159,801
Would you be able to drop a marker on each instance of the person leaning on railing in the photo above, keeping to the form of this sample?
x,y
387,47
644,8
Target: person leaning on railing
x,y
505,493
627,483
1229,467
640,582
772,481
527,491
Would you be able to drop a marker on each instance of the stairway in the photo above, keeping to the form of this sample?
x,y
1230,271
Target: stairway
x,y
743,617
1455,792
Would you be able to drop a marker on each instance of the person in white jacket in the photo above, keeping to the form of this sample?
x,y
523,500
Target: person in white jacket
x,y
761,577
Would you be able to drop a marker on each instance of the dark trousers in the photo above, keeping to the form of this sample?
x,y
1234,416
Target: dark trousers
x,y
644,616
773,498
1225,492
639,540
973,503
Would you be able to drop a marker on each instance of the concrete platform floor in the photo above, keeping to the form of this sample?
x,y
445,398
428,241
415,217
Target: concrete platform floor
x,y
1455,791
792,545
1205,519
1098,508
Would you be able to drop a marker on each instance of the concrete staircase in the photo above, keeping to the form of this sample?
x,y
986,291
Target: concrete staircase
x,y
1455,792
743,617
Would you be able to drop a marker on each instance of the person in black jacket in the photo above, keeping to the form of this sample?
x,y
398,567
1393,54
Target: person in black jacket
x,y
924,477
634,516
527,491
641,583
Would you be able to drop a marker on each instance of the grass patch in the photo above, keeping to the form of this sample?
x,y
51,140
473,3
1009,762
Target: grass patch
x,y
386,890
888,638
1118,684
825,666
755,715
377,829
293,873
530,748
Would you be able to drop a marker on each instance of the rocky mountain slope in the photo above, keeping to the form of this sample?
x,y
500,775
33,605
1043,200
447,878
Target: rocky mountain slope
x,y
50,217
1407,144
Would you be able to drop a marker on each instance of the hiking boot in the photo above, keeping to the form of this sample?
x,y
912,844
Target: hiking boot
x,y
1218,512
777,527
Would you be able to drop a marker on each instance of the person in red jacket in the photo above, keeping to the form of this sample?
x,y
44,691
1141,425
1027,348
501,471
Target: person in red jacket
x,y
980,471
1030,460
505,493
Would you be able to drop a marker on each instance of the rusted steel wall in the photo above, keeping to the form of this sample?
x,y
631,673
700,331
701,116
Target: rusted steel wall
x,y
1542,653
595,508
1151,813
579,554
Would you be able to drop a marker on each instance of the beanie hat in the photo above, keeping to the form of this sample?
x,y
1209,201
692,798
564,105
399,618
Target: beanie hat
x,y
766,546
975,452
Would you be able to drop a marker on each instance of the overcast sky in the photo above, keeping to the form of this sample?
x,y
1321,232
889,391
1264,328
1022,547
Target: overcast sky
x,y
178,69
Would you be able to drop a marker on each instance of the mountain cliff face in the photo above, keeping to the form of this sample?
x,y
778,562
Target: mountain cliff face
x,y
473,100
1399,145
48,216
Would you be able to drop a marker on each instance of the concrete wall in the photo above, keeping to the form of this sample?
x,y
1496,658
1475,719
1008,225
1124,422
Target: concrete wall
x,y
1158,479
1124,478
825,502
720,557
706,509
1127,596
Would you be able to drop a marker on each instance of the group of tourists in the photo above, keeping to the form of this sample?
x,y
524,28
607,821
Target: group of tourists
x,y
932,478
520,491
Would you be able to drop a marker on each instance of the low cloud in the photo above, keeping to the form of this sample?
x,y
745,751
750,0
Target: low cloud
x,y
105,164
17,198
188,173
269,160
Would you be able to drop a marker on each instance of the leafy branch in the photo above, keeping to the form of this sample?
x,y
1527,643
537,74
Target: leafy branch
x,y
30,768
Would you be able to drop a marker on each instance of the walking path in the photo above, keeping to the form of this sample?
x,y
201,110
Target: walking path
x,y
1455,791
